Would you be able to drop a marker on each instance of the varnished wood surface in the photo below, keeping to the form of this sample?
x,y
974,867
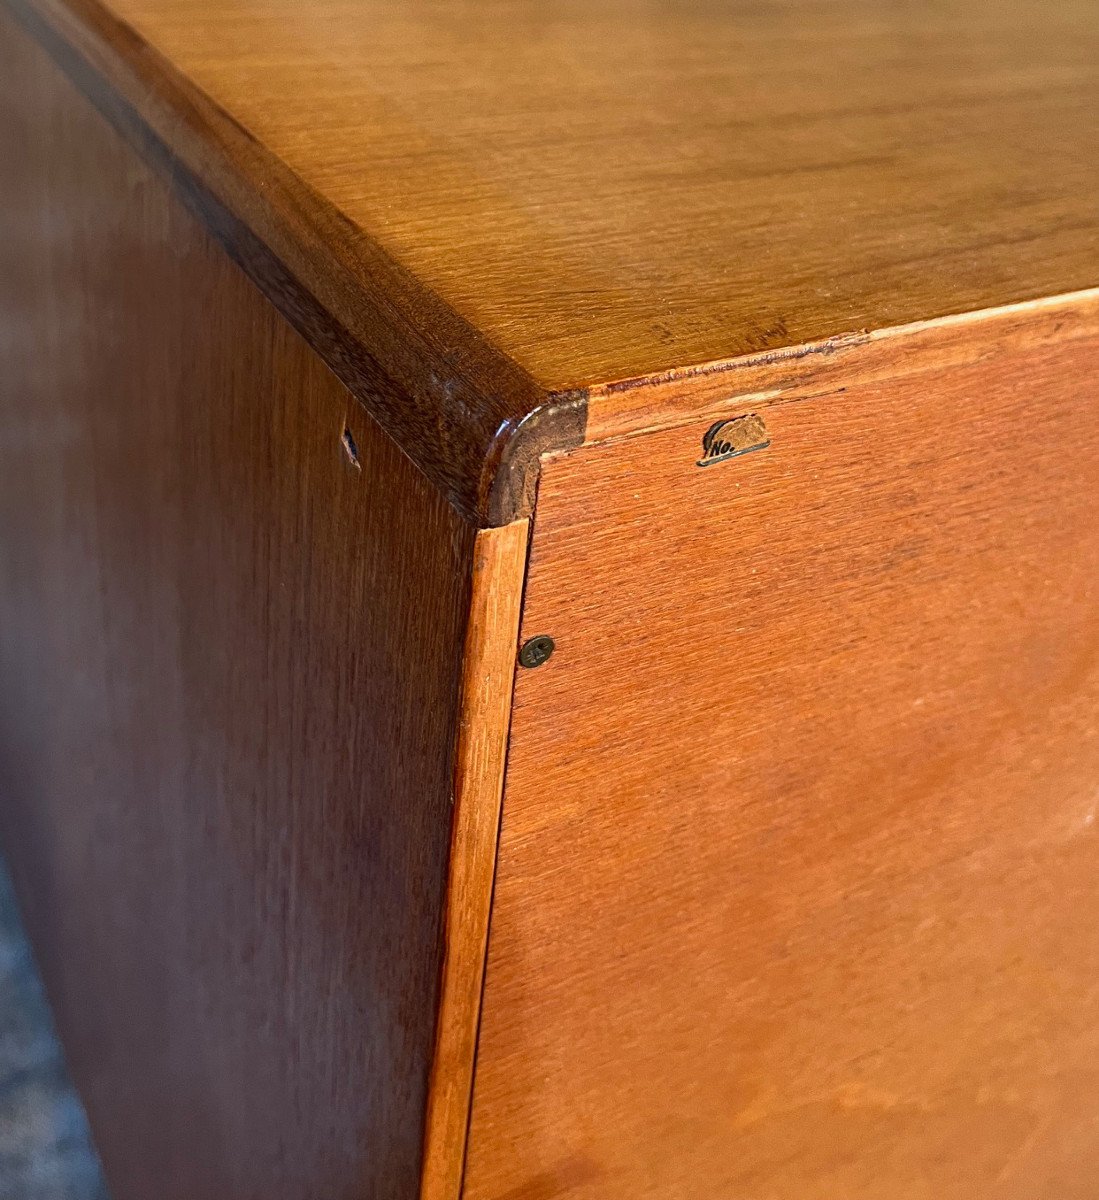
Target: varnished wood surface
x,y
799,821
799,849
470,419
230,663
499,568
505,204
820,369
609,189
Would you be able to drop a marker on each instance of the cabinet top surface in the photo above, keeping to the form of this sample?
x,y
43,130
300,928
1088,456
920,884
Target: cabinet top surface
x,y
607,190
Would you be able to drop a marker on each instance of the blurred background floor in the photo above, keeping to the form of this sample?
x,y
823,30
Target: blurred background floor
x,y
45,1149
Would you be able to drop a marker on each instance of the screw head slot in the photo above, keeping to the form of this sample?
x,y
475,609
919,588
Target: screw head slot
x,y
536,651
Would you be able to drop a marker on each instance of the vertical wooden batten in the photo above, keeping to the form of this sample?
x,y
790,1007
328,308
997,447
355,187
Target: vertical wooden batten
x,y
499,566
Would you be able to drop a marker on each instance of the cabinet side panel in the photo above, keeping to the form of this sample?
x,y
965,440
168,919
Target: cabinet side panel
x,y
230,645
799,860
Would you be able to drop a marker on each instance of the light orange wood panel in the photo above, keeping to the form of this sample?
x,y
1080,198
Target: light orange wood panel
x,y
820,368
590,192
499,566
800,854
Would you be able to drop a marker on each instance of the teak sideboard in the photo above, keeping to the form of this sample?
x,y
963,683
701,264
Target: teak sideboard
x,y
549,592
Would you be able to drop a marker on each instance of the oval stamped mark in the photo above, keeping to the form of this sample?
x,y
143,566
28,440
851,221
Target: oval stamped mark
x,y
733,437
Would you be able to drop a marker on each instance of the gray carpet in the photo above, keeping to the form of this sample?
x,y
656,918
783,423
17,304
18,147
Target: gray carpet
x,y
45,1151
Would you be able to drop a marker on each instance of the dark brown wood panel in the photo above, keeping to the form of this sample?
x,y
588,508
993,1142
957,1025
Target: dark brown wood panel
x,y
230,660
800,857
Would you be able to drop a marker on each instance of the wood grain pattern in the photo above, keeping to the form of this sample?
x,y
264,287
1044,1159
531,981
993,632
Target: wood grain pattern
x,y
230,662
503,205
799,822
821,368
499,567
606,190
804,909
467,416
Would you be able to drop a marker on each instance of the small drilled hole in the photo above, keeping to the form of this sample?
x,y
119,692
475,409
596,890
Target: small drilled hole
x,y
350,449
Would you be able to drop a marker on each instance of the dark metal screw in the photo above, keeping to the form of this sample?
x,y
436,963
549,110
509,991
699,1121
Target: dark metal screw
x,y
536,651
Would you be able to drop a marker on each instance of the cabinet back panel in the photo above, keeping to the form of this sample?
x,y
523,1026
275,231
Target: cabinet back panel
x,y
799,862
